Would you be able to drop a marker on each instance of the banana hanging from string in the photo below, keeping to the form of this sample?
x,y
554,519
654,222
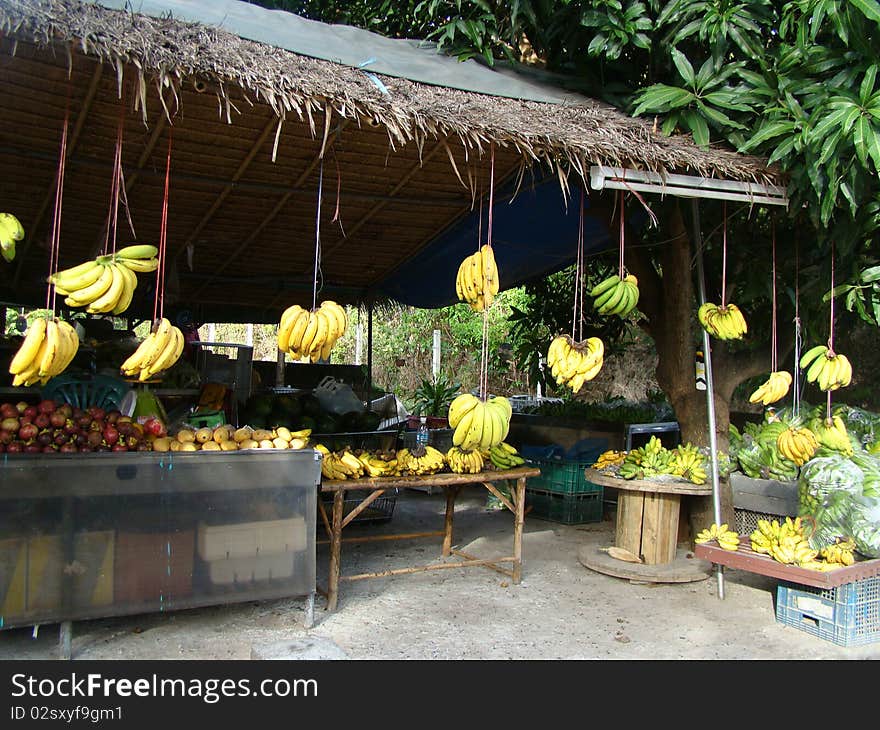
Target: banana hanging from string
x,y
106,284
302,333
828,369
616,295
477,280
11,231
49,346
159,351
774,389
724,323
574,363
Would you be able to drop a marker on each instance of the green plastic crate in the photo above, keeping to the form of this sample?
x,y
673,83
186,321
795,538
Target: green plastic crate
x,y
562,477
569,509
847,615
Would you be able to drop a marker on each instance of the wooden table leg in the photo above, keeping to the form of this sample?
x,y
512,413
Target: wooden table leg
x,y
660,528
519,519
451,494
335,550
630,510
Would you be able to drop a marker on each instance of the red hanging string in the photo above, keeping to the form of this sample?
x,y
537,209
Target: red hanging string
x,y
724,255
55,236
115,182
830,330
773,356
577,319
484,355
159,300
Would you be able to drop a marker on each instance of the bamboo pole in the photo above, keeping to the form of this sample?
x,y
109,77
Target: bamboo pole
x,y
424,568
504,500
469,557
367,501
518,520
451,494
385,538
335,551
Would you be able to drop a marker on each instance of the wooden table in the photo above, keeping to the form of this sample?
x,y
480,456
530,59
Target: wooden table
x,y
451,485
647,514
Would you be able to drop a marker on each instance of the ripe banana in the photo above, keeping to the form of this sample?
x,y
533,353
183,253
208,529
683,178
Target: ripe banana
x,y
574,363
311,334
829,370
724,323
48,348
33,338
775,388
158,351
477,280
11,231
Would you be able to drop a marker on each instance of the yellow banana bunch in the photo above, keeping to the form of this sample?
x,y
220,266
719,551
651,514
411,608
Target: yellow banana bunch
x,y
840,553
725,323
688,463
159,351
726,538
339,464
464,461
106,284
609,458
479,424
829,370
574,363
773,389
379,463
505,456
49,346
786,542
311,334
477,280
615,295
797,444
424,460
11,231
832,433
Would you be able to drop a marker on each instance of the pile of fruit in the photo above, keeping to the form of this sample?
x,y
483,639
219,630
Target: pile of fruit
x,y
229,438
50,427
653,459
302,333
477,279
609,458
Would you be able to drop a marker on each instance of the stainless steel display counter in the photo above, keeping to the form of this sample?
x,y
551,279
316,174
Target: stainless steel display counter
x,y
86,536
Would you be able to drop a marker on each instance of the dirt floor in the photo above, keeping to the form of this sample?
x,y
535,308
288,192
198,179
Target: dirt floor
x,y
561,610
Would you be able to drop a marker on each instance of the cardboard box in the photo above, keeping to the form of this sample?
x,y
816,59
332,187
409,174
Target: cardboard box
x,y
250,539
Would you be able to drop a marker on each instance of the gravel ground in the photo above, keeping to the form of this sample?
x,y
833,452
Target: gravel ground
x,y
561,610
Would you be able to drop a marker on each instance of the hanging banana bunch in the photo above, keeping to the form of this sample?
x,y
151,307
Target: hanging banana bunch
x,y
106,284
49,346
477,279
574,363
311,334
159,351
11,231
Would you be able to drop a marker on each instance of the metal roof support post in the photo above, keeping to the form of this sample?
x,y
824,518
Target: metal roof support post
x,y
710,390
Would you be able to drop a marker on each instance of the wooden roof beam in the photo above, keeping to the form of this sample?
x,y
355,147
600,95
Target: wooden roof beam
x,y
279,206
71,146
229,187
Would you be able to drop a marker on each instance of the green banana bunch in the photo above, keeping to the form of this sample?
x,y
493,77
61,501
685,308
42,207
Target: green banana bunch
x,y
829,370
616,295
505,456
832,433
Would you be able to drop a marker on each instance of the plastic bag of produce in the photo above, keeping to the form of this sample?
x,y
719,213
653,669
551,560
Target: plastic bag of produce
x,y
864,525
862,424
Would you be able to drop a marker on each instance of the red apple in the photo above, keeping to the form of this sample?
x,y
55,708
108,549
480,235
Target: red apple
x,y
154,427
42,420
94,439
83,421
96,412
7,410
10,424
14,447
66,409
28,431
30,412
57,419
6,437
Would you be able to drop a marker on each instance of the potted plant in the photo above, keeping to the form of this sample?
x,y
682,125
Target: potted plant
x,y
432,399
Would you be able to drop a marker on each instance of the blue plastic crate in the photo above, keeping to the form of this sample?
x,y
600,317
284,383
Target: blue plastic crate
x,y
848,615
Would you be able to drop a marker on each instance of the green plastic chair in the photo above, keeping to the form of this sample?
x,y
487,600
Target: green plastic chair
x,y
103,391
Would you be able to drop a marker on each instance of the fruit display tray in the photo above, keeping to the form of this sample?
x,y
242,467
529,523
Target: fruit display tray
x,y
747,559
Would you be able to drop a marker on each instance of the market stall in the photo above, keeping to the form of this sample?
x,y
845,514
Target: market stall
x,y
316,185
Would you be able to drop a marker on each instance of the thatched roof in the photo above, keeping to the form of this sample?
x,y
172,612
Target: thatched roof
x,y
252,126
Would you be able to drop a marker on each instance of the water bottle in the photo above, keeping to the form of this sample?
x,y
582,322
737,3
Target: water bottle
x,y
422,434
